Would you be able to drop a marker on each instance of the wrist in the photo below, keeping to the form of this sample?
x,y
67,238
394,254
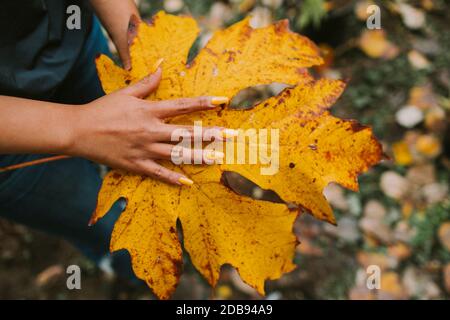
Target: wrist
x,y
73,131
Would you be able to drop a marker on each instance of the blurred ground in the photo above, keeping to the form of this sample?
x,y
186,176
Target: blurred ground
x,y
398,83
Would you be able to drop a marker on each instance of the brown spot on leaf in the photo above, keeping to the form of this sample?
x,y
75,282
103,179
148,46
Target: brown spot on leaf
x,y
282,26
356,126
116,175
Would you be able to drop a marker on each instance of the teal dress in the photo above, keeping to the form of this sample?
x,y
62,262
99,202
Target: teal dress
x,y
41,59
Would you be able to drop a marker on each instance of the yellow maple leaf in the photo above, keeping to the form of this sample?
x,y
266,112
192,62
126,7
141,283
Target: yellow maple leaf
x,y
234,58
220,226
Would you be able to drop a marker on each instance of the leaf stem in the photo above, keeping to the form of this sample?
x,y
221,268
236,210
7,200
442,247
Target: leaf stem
x,y
32,163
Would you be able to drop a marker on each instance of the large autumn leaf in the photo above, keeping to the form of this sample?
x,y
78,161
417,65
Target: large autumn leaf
x,y
220,226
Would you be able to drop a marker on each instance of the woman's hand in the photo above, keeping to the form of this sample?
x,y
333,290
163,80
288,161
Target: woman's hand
x,y
120,18
126,132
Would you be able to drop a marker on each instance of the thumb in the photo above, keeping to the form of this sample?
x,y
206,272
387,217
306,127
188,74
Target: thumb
x,y
124,51
145,86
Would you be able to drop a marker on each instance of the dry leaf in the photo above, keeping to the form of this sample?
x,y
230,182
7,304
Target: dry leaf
x,y
394,185
308,248
418,60
446,276
444,235
412,17
261,17
49,274
400,251
361,293
435,119
428,145
428,5
220,226
272,3
374,209
246,5
402,154
375,44
361,11
224,292
335,195
376,229
417,283
173,5
435,192
422,97
409,116
391,287
366,259
422,174
327,53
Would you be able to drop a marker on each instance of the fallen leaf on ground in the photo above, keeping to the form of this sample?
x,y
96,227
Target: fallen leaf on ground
x,y
173,5
347,230
418,60
394,185
427,4
335,195
419,284
412,17
428,145
422,174
49,274
435,119
375,44
409,116
446,273
376,228
361,11
404,232
402,155
400,251
391,287
361,293
367,259
444,235
435,192
374,209
308,248
224,292
422,97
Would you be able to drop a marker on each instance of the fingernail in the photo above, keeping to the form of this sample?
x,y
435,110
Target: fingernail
x,y
214,155
92,221
228,133
157,64
219,100
186,181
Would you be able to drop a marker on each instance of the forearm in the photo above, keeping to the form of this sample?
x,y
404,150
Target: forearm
x,y
115,17
120,130
29,126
